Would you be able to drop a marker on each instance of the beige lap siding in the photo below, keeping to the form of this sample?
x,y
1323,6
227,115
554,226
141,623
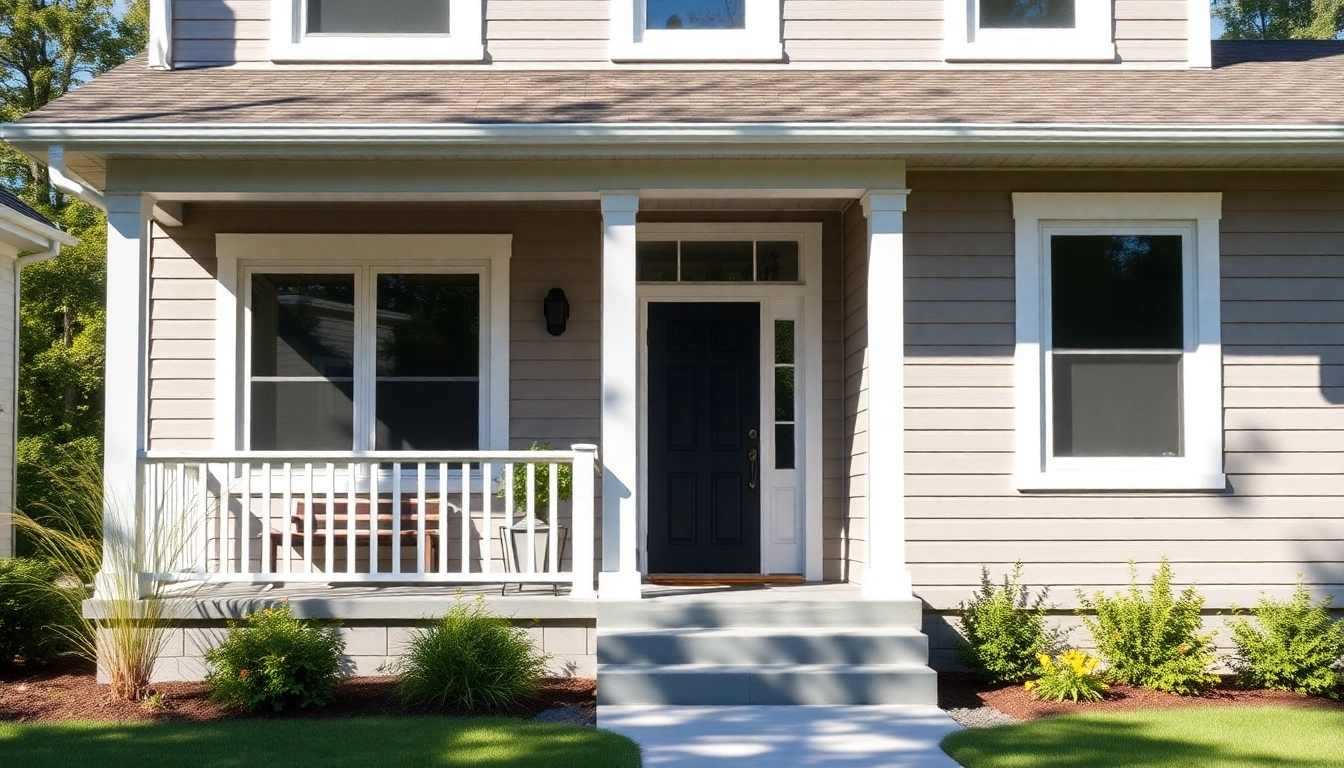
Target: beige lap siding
x,y
1283,345
554,388
557,33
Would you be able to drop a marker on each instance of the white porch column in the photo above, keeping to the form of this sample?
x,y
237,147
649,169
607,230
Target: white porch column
x,y
124,391
620,577
886,577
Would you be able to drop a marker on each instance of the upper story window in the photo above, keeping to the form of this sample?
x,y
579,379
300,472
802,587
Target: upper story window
x,y
696,30
1029,30
388,30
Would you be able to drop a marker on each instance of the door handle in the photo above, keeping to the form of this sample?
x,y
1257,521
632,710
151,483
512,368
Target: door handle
x,y
752,455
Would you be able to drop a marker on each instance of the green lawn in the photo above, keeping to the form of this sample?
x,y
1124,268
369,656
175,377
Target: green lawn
x,y
1267,737
357,743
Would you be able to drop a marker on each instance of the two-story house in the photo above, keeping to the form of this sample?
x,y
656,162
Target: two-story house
x,y
858,294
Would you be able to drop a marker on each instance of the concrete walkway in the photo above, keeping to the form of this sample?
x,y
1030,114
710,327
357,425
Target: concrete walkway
x,y
784,736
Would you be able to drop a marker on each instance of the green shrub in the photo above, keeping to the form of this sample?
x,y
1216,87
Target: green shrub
x,y
1072,675
36,618
1152,641
1296,647
275,660
541,485
470,660
1004,629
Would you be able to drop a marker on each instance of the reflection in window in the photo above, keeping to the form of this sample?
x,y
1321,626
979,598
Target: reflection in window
x,y
695,14
1028,14
718,261
656,262
785,395
384,17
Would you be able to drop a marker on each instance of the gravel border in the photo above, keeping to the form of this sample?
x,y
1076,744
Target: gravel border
x,y
979,717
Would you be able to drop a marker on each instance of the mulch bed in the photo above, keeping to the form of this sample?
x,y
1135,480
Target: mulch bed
x,y
964,690
68,690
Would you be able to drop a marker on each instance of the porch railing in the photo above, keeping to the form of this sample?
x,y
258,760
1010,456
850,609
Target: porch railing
x,y
447,517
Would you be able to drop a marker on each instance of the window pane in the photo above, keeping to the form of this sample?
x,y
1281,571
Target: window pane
x,y
1027,14
303,325
784,341
784,393
695,14
429,325
777,262
428,415
384,17
784,447
1116,292
1117,405
302,415
656,262
728,262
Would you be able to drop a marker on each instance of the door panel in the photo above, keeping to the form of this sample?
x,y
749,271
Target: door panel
x,y
704,421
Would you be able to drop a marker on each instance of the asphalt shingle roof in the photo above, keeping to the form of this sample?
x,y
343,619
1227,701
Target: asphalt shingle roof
x,y
10,200
1251,83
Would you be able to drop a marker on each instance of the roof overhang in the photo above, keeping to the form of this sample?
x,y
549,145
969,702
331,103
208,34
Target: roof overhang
x,y
23,233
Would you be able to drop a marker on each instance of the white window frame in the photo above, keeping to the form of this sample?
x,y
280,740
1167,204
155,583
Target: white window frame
x,y
1091,39
465,41
241,255
761,40
1195,216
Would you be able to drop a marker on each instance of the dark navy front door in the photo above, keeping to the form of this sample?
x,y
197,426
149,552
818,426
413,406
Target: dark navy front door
x,y
703,443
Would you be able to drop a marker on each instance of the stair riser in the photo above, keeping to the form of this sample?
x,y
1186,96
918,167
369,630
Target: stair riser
x,y
649,614
917,687
773,649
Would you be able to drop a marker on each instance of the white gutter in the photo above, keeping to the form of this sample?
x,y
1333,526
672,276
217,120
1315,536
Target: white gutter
x,y
63,179
161,137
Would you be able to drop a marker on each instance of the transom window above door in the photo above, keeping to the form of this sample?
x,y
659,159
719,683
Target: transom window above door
x,y
386,30
696,30
1028,30
718,261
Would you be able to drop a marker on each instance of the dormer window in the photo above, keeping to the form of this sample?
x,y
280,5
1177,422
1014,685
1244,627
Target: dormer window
x,y
1029,30
388,30
696,30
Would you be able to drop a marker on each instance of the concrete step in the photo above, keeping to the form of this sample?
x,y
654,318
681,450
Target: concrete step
x,y
779,684
681,612
763,645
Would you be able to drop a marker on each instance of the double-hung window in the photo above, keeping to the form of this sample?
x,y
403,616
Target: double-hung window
x,y
696,30
365,349
1118,363
1028,30
385,30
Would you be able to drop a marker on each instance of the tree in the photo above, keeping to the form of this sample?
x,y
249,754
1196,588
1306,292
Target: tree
x,y
1280,19
47,49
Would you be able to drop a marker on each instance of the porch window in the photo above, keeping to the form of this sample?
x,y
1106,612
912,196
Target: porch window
x,y
696,30
1118,356
1028,30
387,30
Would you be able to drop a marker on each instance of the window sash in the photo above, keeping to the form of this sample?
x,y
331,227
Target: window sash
x,y
365,347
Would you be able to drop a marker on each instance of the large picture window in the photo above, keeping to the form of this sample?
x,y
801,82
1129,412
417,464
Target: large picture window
x,y
1118,358
1028,30
386,30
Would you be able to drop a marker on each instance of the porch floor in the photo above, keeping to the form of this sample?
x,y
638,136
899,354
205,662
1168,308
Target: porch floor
x,y
784,737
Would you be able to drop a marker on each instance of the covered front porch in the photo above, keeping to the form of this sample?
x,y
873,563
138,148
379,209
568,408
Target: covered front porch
x,y
244,453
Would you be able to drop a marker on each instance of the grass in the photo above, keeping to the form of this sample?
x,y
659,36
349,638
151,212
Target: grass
x,y
358,743
1267,737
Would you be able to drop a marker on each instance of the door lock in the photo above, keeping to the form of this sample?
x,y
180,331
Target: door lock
x,y
752,455
751,434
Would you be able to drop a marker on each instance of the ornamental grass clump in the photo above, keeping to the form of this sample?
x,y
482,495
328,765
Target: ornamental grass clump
x,y
1003,629
471,661
275,660
1293,645
1072,675
1153,640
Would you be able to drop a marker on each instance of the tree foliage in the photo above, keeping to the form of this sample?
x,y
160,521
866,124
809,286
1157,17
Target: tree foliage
x,y
1280,19
47,49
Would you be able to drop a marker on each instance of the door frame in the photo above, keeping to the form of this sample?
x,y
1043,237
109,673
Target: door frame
x,y
801,302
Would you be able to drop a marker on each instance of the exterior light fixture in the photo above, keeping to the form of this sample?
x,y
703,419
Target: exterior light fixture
x,y
556,311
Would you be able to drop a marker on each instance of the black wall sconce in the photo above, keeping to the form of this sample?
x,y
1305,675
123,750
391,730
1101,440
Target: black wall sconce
x,y
556,310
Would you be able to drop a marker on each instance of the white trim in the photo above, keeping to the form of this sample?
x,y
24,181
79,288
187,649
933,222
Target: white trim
x,y
1199,34
759,41
463,43
1195,216
160,34
240,254
1091,39
775,300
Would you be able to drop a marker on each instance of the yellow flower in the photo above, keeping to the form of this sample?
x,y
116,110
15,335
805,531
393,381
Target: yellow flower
x,y
1030,685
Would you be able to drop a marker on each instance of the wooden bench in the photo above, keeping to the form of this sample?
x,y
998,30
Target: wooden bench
x,y
362,535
